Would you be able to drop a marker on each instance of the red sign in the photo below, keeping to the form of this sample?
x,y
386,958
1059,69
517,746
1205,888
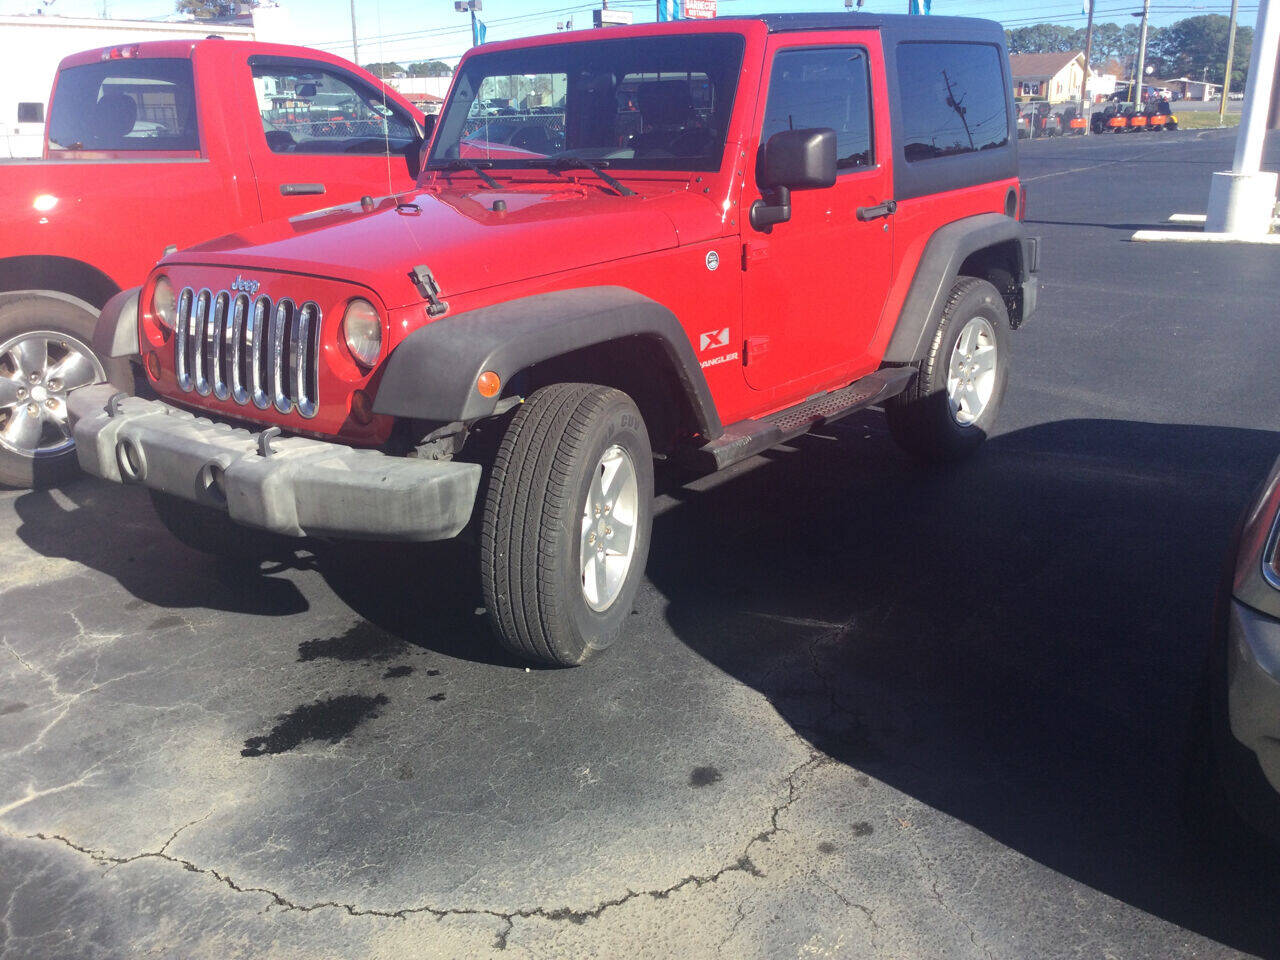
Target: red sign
x,y
699,9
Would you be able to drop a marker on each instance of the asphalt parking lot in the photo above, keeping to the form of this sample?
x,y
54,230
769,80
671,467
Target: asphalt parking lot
x,y
867,710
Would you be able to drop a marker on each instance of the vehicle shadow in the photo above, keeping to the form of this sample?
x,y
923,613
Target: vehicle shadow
x,y
1017,641
115,531
427,594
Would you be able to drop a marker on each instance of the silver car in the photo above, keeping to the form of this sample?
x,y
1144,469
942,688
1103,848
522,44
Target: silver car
x,y
1246,690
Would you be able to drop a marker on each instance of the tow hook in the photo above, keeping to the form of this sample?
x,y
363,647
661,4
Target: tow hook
x,y
264,441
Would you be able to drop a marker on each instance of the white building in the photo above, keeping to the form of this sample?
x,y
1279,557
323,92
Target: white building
x,y
34,45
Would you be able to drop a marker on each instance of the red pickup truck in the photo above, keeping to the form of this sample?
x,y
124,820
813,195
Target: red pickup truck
x,y
159,145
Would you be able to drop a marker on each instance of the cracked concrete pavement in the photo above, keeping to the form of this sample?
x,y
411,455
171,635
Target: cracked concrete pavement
x,y
865,710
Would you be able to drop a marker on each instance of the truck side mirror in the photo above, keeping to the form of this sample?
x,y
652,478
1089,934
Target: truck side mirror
x,y
792,160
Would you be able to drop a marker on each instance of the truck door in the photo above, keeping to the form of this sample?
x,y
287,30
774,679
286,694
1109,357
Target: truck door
x,y
814,287
325,136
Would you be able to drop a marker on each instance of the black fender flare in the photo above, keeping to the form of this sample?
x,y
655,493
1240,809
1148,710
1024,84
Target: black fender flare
x,y
939,266
431,374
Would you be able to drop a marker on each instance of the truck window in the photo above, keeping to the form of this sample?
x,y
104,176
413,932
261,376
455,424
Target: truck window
x,y
823,87
648,103
124,105
31,113
952,99
309,108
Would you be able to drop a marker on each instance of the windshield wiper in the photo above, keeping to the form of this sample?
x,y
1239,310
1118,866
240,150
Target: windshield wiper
x,y
463,163
571,161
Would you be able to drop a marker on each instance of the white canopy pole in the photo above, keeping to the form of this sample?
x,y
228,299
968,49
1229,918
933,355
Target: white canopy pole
x,y
1243,200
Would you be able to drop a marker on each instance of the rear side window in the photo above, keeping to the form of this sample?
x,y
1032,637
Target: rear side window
x,y
823,87
306,108
952,97
125,105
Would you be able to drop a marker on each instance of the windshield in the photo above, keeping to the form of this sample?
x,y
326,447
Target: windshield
x,y
649,103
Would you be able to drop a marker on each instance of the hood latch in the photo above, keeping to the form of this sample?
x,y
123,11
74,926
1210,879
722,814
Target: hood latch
x,y
428,289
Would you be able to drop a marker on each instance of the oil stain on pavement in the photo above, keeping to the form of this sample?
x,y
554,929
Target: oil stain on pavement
x,y
332,719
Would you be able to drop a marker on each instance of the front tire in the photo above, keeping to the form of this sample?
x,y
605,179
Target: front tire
x,y
951,405
45,352
567,518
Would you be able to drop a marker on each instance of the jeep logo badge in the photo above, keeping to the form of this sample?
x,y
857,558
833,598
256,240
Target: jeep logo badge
x,y
245,286
713,259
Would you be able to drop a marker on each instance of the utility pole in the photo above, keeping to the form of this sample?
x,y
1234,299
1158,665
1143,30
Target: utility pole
x,y
1088,56
1142,53
355,50
1226,77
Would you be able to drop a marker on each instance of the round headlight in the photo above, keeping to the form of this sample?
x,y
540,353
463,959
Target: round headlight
x,y
362,329
164,305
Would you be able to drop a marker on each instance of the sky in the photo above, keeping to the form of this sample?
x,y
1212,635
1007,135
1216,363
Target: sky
x,y
409,30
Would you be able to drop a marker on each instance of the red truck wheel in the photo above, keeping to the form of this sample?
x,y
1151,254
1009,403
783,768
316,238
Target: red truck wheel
x,y
949,408
567,516
44,353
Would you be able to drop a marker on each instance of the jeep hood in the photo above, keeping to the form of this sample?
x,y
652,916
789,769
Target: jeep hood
x,y
467,244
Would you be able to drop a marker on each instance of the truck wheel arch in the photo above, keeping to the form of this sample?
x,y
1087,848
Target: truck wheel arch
x,y
431,375
59,277
990,246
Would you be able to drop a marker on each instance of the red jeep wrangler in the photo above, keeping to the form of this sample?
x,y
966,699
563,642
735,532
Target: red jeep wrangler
x,y
690,240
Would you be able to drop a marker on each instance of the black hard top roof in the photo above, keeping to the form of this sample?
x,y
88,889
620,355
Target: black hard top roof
x,y
899,22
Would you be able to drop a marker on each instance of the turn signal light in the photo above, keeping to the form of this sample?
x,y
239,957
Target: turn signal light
x,y
488,384
153,364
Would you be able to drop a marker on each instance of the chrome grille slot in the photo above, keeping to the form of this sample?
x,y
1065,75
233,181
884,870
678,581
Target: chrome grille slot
x,y
246,350
256,345
214,339
235,351
284,312
199,321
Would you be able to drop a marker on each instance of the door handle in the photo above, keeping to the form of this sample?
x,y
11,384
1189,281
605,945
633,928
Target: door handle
x,y
300,189
879,210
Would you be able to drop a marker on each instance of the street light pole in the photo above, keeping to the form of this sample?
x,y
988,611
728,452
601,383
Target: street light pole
x,y
355,50
1142,54
470,6
1226,77
1088,55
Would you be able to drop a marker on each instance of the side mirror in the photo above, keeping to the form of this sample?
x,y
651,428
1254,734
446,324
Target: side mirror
x,y
792,160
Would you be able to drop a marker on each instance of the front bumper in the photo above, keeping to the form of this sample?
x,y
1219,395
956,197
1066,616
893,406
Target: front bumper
x,y
289,485
1253,685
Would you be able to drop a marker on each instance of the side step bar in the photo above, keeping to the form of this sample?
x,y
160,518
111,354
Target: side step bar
x,y
749,437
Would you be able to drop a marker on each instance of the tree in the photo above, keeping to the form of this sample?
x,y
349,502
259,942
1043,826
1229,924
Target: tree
x,y
384,70
1197,47
430,68
209,9
1044,38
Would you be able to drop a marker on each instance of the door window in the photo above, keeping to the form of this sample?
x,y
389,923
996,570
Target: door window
x,y
308,108
823,87
953,99
144,104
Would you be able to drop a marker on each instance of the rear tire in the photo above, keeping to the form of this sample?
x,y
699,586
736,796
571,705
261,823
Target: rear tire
x,y
45,351
951,405
567,517
213,532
